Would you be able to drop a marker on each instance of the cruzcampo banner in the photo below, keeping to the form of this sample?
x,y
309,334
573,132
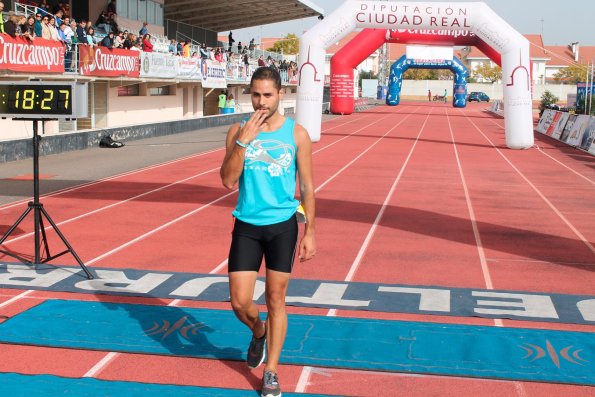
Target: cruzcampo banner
x,y
106,62
21,55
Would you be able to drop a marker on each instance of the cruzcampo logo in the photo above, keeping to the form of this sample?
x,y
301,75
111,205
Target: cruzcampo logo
x,y
165,329
568,353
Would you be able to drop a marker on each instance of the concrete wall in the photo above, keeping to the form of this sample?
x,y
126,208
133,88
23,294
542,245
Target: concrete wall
x,y
416,89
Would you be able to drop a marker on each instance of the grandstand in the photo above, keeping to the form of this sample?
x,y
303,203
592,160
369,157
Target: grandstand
x,y
121,98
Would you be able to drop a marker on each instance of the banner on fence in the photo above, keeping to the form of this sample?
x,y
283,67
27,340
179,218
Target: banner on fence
x,y
577,130
154,64
188,68
588,136
21,55
213,74
546,119
559,126
106,62
554,123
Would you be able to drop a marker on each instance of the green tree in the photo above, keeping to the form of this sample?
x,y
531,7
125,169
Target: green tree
x,y
571,75
485,71
419,74
546,99
290,44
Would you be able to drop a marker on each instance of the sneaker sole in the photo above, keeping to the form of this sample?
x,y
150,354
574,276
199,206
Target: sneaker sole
x,y
270,395
260,363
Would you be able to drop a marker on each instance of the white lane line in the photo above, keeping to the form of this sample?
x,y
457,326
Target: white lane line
x,y
16,298
536,190
127,173
304,378
480,251
101,364
554,159
115,204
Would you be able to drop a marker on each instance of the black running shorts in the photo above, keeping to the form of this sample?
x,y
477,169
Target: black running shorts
x,y
277,242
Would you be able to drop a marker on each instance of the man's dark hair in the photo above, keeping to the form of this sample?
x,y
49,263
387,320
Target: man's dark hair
x,y
267,73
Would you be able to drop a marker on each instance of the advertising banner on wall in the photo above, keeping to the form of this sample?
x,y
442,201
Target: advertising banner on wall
x,y
21,55
188,68
577,130
213,74
546,119
106,62
559,126
154,64
571,120
588,136
552,126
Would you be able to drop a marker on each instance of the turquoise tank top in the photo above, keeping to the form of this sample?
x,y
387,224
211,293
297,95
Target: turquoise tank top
x,y
267,184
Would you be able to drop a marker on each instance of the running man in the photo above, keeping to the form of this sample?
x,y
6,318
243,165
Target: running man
x,y
264,155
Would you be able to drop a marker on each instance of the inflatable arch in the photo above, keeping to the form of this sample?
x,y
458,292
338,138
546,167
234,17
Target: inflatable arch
x,y
459,98
492,32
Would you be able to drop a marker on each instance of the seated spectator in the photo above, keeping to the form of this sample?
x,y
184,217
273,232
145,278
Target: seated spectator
x,y
136,46
90,38
43,7
103,23
180,49
203,51
186,49
59,15
147,45
129,42
74,28
119,40
108,41
218,55
172,47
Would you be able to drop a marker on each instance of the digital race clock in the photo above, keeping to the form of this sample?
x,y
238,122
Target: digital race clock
x,y
43,100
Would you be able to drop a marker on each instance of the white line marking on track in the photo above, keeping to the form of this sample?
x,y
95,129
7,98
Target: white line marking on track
x,y
554,159
307,371
101,364
536,190
16,298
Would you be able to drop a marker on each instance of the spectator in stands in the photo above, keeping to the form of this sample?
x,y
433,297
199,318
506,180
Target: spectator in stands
x,y
108,41
144,30
81,31
251,45
90,38
103,23
73,27
29,28
43,7
67,35
2,17
12,26
218,55
53,29
147,45
136,46
59,16
57,7
246,60
186,49
239,47
111,7
172,47
180,49
38,24
129,42
261,61
119,40
45,28
203,51
230,40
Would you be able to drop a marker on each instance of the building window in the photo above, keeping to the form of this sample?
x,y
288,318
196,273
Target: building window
x,y
122,8
142,10
129,90
132,9
157,91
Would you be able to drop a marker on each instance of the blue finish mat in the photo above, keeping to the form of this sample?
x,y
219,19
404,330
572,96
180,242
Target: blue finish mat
x,y
444,349
17,385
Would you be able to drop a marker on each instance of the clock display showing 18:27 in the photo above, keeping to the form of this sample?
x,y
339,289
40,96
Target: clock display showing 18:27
x,y
36,99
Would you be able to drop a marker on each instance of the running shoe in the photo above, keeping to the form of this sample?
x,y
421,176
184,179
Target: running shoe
x,y
270,385
256,351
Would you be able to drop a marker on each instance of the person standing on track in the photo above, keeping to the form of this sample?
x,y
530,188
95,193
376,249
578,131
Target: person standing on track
x,y
264,155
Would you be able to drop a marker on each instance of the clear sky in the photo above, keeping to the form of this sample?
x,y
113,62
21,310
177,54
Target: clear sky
x,y
563,21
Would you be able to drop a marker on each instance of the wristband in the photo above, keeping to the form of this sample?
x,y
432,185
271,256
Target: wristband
x,y
240,144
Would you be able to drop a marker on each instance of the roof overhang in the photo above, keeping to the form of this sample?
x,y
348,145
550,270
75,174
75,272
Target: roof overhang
x,y
221,16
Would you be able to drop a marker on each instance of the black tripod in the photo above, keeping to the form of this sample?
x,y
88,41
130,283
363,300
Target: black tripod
x,y
39,213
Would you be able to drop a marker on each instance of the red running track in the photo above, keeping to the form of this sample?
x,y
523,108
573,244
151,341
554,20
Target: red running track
x,y
420,194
